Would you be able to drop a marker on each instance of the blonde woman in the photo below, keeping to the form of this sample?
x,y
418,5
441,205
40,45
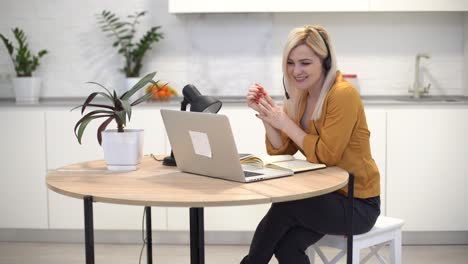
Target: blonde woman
x,y
323,117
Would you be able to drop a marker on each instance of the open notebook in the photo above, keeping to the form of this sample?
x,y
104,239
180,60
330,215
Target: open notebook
x,y
281,162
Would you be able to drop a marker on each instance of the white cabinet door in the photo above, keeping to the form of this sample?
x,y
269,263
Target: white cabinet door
x,y
232,218
427,168
62,146
249,135
23,199
248,130
63,149
419,5
377,123
246,6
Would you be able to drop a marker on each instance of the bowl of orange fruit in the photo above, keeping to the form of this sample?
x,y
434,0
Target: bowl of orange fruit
x,y
161,92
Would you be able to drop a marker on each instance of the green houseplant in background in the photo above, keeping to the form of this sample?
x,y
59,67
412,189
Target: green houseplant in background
x,y
27,88
132,50
123,148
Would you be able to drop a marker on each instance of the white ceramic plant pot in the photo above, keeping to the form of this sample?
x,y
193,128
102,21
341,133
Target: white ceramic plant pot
x,y
122,151
27,89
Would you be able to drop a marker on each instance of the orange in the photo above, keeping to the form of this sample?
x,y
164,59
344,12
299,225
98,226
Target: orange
x,y
161,91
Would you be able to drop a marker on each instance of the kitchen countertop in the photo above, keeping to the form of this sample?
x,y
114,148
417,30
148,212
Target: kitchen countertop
x,y
371,100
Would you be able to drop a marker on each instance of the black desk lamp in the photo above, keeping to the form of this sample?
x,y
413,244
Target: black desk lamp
x,y
198,103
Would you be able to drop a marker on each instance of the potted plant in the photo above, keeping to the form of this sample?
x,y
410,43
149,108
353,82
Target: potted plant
x,y
123,148
27,88
123,33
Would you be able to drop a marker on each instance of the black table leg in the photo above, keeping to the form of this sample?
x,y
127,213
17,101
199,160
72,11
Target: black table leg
x,y
149,239
349,221
197,236
89,229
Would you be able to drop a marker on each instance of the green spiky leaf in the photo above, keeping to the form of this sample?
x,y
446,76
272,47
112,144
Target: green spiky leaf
x,y
102,127
108,95
123,32
142,99
120,118
140,84
24,62
127,108
84,123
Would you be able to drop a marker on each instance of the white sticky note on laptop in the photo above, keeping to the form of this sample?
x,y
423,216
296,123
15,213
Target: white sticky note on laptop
x,y
200,143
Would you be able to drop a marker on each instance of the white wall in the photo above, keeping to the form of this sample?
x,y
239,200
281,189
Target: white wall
x,y
224,53
465,37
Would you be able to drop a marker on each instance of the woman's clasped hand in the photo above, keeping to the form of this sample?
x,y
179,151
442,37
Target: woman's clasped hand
x,y
267,110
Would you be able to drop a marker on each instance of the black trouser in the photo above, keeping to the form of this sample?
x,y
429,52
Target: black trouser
x,y
289,228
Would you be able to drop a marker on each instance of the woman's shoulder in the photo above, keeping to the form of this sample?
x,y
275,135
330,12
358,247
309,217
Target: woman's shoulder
x,y
344,90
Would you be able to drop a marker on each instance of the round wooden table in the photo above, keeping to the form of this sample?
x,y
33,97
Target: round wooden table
x,y
156,185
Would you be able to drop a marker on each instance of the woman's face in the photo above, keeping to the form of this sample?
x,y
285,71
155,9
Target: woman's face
x,y
304,68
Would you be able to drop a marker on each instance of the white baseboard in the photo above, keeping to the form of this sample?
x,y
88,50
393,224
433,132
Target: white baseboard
x,y
211,237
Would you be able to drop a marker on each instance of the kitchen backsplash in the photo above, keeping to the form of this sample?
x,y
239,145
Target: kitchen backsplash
x,y
223,54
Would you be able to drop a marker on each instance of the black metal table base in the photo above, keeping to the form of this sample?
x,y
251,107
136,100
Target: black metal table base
x,y
149,237
89,229
197,236
349,221
197,232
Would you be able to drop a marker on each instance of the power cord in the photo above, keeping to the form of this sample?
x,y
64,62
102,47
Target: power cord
x,y
143,238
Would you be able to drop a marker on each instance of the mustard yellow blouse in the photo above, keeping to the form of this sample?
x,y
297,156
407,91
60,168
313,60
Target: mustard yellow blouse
x,y
339,138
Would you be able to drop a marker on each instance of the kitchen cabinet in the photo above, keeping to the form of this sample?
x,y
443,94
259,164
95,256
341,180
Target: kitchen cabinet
x,y
377,124
276,6
420,151
249,6
419,5
62,146
427,168
63,149
23,198
233,218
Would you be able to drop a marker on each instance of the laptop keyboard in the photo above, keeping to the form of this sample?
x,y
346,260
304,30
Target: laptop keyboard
x,y
250,174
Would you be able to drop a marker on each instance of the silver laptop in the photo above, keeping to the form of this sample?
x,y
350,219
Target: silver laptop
x,y
203,144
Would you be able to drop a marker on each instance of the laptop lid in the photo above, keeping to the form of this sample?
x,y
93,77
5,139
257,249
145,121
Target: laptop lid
x,y
203,144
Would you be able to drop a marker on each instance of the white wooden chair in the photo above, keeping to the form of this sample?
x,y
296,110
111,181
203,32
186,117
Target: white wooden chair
x,y
387,230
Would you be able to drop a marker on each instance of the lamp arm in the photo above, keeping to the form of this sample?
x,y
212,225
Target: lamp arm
x,y
183,105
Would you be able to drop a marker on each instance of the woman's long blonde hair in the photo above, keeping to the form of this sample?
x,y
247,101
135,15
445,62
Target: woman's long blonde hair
x,y
314,37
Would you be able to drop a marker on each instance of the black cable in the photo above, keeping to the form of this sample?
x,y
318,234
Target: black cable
x,y
143,238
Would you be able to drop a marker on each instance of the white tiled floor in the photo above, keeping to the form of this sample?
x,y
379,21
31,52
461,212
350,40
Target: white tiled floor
x,y
49,253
